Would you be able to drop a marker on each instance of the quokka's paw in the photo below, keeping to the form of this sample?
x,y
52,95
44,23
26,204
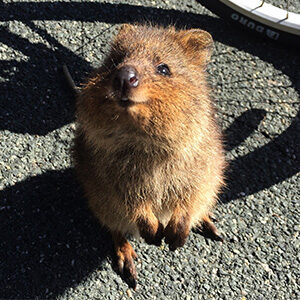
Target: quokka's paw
x,y
209,229
151,235
176,233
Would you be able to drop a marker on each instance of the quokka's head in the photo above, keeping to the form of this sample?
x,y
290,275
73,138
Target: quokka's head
x,y
153,79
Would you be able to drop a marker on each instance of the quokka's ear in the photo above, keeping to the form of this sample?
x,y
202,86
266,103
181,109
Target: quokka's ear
x,y
198,44
125,29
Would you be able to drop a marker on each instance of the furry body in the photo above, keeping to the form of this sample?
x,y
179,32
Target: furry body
x,y
155,166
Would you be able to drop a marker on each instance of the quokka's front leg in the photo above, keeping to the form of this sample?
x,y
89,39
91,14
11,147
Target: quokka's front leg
x,y
151,230
125,258
178,228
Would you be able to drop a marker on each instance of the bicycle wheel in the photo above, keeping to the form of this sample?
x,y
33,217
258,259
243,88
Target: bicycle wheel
x,y
259,17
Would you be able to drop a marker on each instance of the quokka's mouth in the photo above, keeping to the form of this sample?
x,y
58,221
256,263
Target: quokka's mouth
x,y
125,102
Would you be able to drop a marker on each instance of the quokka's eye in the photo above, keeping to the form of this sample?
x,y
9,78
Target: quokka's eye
x,y
163,69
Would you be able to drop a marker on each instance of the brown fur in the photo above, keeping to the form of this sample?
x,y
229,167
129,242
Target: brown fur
x,y
158,163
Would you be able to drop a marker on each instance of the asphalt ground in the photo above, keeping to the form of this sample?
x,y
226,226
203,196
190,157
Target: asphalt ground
x,y
52,248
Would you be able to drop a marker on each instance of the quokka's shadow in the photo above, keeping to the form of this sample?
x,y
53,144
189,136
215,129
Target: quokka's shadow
x,y
49,240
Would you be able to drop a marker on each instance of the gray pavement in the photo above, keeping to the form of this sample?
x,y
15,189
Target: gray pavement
x,y
52,248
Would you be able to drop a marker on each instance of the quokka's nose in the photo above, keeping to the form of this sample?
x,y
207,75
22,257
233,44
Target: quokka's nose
x,y
126,78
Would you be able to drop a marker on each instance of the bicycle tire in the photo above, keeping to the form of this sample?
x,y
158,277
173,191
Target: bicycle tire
x,y
266,20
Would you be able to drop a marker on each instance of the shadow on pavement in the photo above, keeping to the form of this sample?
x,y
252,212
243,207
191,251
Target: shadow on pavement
x,y
34,97
49,239
264,166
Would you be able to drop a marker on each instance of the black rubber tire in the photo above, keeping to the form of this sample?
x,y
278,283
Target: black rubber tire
x,y
246,22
